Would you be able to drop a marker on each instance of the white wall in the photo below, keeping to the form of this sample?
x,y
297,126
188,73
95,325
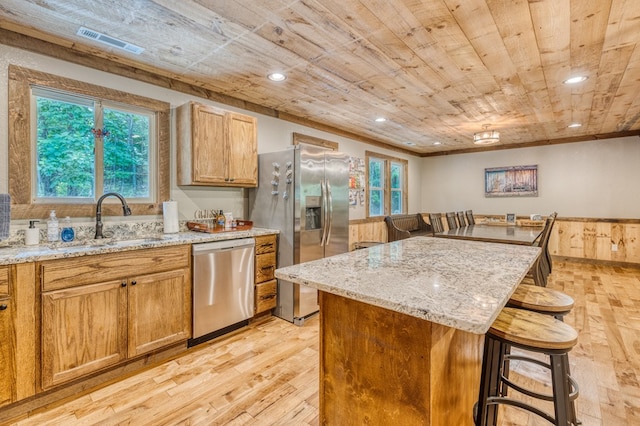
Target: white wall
x,y
273,134
597,179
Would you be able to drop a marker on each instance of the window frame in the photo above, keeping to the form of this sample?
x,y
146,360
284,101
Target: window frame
x,y
387,161
21,147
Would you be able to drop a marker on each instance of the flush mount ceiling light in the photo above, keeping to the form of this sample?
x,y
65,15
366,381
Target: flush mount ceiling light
x,y
574,125
576,79
486,137
277,76
380,120
437,143
410,143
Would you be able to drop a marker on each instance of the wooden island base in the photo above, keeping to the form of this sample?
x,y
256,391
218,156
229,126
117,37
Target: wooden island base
x,y
382,367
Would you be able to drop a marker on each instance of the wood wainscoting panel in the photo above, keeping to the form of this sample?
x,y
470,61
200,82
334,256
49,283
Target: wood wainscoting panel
x,y
372,229
572,238
606,240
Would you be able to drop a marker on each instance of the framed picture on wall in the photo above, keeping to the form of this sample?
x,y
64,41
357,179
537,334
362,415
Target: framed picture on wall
x,y
515,181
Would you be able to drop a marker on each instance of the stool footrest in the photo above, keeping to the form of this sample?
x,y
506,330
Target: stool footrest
x,y
515,403
574,391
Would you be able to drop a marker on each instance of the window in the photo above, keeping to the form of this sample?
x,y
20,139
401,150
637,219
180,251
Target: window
x,y
387,185
70,142
86,147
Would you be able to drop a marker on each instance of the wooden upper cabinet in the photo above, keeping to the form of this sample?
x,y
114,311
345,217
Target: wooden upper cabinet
x,y
216,147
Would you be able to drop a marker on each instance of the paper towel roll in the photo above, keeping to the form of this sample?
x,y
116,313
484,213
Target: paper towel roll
x,y
170,216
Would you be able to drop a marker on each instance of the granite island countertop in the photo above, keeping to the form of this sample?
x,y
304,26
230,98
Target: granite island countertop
x,y
456,283
24,254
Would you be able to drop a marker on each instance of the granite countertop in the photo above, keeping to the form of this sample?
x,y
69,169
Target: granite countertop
x,y
456,283
24,254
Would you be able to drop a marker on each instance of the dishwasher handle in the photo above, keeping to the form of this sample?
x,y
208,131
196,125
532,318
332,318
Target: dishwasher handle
x,y
223,245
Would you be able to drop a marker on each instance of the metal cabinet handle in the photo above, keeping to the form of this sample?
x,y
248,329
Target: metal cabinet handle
x,y
134,282
267,267
123,284
3,307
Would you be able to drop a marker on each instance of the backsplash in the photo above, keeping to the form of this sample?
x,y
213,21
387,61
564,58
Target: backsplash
x,y
86,231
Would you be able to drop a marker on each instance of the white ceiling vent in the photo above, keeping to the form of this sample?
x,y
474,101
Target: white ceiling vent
x,y
111,41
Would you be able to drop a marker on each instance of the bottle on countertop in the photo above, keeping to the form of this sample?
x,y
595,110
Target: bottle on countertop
x,y
32,234
67,234
53,233
220,220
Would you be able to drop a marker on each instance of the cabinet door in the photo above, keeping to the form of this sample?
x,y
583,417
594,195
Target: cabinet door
x,y
243,150
83,330
208,149
7,358
159,310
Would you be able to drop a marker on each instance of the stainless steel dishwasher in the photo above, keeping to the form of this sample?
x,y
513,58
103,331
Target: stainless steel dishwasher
x,y
223,281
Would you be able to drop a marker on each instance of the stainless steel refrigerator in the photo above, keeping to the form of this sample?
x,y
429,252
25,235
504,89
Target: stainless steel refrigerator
x,y
303,192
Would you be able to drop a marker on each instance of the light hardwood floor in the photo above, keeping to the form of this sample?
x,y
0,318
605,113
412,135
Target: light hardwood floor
x,y
267,374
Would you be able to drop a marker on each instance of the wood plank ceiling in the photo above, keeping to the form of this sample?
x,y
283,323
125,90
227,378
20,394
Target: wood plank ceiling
x,y
437,70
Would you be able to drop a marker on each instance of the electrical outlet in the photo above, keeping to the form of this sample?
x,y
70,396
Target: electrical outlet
x,y
614,247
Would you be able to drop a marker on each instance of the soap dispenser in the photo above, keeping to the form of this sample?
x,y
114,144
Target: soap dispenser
x,y
67,234
53,230
32,234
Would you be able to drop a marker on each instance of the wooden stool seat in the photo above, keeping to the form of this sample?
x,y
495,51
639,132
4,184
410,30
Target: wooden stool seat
x,y
534,332
541,299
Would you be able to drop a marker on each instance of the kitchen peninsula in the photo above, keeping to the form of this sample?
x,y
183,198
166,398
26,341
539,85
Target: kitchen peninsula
x,y
402,326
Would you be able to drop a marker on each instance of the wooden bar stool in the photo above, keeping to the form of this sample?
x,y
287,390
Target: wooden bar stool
x,y
542,300
529,331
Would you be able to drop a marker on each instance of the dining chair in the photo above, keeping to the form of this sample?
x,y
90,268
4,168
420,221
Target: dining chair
x,y
451,220
461,220
436,222
542,268
470,219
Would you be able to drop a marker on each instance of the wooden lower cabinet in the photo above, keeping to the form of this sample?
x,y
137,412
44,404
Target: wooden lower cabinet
x,y
266,290
84,329
7,359
17,333
87,328
159,311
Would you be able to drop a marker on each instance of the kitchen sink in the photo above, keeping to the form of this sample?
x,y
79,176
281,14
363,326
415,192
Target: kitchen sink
x,y
108,242
130,242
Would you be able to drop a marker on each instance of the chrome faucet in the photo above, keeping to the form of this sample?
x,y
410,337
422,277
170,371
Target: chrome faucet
x,y
125,208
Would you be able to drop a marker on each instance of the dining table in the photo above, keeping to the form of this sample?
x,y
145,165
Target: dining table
x,y
494,233
402,326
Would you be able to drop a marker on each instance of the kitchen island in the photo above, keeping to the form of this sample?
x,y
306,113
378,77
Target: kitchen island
x,y
402,325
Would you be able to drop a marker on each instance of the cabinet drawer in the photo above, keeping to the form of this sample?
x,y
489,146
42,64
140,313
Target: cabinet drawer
x,y
4,281
265,244
64,273
265,267
266,296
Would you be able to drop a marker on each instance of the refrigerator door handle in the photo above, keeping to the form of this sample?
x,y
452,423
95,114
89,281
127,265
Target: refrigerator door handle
x,y
330,216
323,189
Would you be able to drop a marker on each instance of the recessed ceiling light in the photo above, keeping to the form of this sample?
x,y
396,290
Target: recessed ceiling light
x,y
277,76
380,120
576,79
410,143
437,143
574,125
